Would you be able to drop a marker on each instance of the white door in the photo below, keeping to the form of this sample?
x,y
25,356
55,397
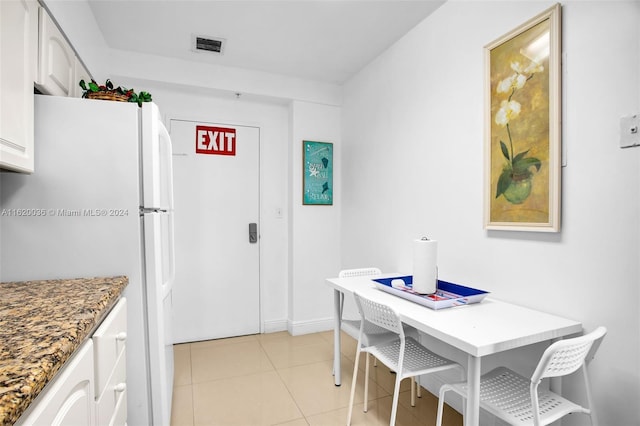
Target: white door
x,y
216,198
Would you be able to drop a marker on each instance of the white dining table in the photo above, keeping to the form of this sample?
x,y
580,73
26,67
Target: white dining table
x,y
477,329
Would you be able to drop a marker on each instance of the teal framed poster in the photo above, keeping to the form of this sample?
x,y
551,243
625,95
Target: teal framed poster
x,y
317,173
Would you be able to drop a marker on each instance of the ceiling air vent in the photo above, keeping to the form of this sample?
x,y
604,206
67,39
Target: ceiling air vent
x,y
208,44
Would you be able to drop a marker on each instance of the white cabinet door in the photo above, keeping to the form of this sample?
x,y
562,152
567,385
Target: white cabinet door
x,y
56,63
19,58
69,399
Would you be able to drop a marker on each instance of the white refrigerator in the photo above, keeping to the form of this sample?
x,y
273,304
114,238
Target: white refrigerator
x,y
100,203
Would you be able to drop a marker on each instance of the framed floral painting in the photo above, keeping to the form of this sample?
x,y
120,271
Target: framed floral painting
x,y
522,127
317,173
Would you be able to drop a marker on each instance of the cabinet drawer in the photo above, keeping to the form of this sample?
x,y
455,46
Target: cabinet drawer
x,y
111,405
109,343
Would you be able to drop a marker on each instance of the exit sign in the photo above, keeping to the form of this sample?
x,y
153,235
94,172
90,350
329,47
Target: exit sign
x,y
215,140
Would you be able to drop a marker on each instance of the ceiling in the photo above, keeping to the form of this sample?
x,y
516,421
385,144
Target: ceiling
x,y
322,40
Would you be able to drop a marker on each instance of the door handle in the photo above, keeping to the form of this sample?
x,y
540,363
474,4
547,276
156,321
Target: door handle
x,y
253,233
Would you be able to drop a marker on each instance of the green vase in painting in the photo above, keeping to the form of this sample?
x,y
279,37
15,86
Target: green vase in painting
x,y
519,189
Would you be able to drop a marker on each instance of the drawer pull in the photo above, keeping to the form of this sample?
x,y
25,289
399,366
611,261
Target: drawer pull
x,y
122,336
120,387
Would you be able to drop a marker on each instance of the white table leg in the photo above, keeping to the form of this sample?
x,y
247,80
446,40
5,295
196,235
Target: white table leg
x,y
337,371
472,416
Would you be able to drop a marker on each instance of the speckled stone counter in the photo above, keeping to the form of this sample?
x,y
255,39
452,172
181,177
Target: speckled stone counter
x,y
41,324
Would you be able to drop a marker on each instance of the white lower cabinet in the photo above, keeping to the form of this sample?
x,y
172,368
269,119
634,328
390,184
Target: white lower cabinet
x,y
69,398
91,388
111,405
111,367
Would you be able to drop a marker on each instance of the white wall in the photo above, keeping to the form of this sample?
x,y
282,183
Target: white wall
x,y
314,231
209,76
413,165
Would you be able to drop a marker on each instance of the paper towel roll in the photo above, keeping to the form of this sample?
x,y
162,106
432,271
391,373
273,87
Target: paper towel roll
x,y
425,266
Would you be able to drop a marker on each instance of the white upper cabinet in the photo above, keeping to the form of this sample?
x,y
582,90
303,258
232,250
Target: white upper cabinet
x,y
18,59
33,50
56,64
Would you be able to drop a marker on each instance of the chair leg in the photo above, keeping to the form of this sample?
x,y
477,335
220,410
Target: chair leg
x,y
419,388
366,382
592,411
396,395
413,391
464,398
353,386
443,390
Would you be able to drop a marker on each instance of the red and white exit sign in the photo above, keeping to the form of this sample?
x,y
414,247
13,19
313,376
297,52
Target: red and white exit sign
x,y
215,140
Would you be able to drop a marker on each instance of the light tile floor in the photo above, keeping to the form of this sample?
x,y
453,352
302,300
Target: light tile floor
x,y
278,379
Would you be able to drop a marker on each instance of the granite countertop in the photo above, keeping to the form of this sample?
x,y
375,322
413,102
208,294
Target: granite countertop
x,y
41,324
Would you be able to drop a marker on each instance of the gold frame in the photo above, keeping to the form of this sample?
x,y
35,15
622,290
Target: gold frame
x,y
523,158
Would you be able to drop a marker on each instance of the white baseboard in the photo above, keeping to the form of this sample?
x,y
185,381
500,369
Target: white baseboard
x,y
274,326
305,327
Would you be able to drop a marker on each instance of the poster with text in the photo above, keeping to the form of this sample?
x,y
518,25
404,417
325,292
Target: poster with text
x,y
317,188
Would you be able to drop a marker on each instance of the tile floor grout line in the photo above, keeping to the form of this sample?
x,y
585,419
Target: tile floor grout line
x,y
295,401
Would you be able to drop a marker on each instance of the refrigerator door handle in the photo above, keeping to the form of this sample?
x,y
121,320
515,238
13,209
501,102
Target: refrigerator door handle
x,y
172,252
157,173
166,167
253,233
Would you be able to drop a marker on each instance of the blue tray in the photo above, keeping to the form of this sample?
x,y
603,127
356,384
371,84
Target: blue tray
x,y
446,295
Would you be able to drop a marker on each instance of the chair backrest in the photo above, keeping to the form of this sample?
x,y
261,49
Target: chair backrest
x,y
378,314
566,356
360,272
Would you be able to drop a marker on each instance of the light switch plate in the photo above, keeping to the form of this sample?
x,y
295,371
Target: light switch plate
x,y
630,131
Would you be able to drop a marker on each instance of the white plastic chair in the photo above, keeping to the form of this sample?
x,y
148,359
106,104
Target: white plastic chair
x,y
518,401
403,354
373,333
